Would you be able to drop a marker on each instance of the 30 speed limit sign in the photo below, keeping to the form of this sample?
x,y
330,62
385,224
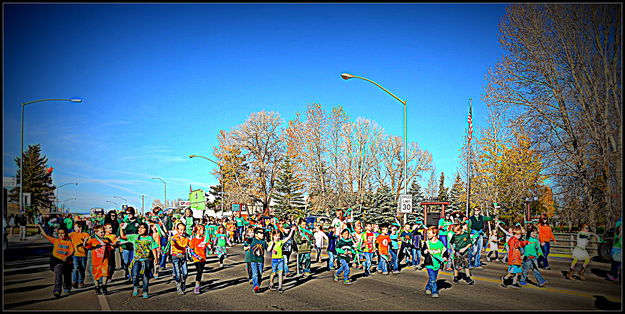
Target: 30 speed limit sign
x,y
404,205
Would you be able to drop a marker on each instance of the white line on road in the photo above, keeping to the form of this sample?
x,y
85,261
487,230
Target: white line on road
x,y
103,303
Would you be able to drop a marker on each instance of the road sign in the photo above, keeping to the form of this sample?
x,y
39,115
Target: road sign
x,y
9,182
236,207
404,204
184,204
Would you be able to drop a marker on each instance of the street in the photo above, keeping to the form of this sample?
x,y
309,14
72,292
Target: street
x,y
28,286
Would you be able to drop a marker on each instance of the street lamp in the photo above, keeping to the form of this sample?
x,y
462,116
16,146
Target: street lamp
x,y
528,200
157,178
347,76
57,192
113,203
125,200
222,181
69,199
22,143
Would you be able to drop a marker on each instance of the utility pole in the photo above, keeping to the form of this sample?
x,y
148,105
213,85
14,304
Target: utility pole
x,y
142,202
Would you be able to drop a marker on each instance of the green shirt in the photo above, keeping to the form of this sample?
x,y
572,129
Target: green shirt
x,y
533,248
343,247
276,252
188,221
436,250
143,245
221,239
257,249
69,223
442,226
460,241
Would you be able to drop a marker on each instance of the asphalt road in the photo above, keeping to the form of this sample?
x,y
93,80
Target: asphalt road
x,y
27,285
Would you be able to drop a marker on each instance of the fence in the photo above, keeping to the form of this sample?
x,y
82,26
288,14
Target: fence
x,y
565,242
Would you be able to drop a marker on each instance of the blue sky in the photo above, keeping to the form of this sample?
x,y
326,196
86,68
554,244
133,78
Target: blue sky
x,y
158,82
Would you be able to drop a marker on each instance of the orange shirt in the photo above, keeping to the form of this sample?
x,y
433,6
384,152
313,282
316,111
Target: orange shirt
x,y
77,240
383,240
99,255
199,247
179,246
62,248
545,234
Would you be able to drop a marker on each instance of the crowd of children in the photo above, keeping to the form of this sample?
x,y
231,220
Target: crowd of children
x,y
147,244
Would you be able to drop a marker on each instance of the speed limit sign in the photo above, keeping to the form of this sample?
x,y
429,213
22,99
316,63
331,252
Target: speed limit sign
x,y
404,205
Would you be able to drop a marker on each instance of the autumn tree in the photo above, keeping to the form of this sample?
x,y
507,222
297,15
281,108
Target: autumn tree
x,y
561,78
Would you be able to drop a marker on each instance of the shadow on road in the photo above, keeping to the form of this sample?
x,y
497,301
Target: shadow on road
x,y
26,288
30,270
29,302
599,272
601,303
14,282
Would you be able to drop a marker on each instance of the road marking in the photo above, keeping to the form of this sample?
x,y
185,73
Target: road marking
x,y
103,303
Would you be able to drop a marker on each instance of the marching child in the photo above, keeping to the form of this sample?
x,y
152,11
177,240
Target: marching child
x,y
394,249
303,239
61,260
277,258
461,243
383,240
530,259
493,243
368,247
144,254
179,243
332,237
101,252
345,250
435,256
219,243
247,242
579,252
108,233
197,248
80,255
514,258
258,247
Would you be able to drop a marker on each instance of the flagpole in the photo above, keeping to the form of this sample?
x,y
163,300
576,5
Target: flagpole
x,y
470,131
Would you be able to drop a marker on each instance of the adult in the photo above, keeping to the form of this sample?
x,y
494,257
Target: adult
x,y
545,236
476,222
132,227
111,218
5,239
11,224
22,221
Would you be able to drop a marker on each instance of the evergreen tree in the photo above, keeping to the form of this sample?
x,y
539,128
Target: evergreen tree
x,y
417,198
442,190
431,190
381,207
215,191
457,190
37,180
288,194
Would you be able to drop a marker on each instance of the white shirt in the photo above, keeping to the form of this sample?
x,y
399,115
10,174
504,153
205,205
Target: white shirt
x,y
319,236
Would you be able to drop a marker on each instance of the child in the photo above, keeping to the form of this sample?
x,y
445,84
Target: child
x,y
435,255
179,243
383,241
144,248
394,250
530,259
80,255
219,243
579,252
358,245
416,237
108,233
514,258
258,246
460,242
61,260
368,247
198,246
345,250
247,242
287,249
303,239
101,248
493,245
319,237
332,237
405,244
277,258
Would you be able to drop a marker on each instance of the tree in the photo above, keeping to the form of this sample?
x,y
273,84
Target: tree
x,y
455,193
382,207
158,203
216,204
37,180
288,193
562,79
432,190
442,190
417,198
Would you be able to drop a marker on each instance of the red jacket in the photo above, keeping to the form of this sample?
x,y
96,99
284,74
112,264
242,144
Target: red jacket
x,y
514,252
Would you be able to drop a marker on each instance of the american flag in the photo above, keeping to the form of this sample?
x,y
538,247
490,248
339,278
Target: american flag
x,y
470,120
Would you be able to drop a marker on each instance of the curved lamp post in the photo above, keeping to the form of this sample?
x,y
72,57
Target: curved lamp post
x,y
165,202
113,203
125,200
77,100
347,76
222,184
69,199
57,192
